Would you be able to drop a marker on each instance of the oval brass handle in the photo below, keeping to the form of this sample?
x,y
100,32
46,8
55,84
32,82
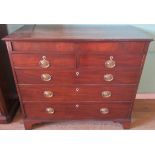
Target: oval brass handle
x,y
108,77
44,63
110,63
106,94
46,77
104,111
48,94
50,110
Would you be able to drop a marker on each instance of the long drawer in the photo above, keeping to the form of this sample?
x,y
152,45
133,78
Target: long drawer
x,y
93,76
84,47
45,110
77,93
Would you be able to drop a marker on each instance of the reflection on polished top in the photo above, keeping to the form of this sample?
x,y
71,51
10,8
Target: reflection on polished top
x,y
78,32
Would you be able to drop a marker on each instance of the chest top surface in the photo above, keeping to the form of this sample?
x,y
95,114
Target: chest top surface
x,y
79,33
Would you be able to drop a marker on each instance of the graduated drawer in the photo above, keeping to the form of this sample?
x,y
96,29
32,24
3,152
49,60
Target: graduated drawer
x,y
43,46
93,76
45,110
51,61
121,60
77,93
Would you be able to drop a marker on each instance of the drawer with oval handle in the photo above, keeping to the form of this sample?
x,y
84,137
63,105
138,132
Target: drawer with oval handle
x,y
48,76
93,76
45,110
110,61
42,61
77,93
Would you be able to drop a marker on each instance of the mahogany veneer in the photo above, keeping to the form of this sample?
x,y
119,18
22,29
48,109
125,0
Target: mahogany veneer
x,y
76,92
33,76
77,71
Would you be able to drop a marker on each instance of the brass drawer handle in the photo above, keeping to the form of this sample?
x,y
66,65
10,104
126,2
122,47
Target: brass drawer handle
x,y
50,110
108,77
44,63
106,94
46,77
110,63
48,94
104,111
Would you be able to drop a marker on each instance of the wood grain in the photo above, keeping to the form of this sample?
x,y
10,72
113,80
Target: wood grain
x,y
66,77
69,93
32,60
69,111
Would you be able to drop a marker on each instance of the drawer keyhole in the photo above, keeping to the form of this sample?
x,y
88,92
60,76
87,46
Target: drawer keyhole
x,y
77,74
77,89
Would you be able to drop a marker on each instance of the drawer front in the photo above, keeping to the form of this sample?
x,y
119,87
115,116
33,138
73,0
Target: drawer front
x,y
37,76
49,61
58,47
112,47
77,93
105,76
44,110
41,76
99,61
70,47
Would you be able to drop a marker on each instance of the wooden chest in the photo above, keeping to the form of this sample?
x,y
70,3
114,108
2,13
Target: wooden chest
x,y
65,72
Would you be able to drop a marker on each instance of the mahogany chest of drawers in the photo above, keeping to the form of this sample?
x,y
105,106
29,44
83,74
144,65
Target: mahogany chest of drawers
x,y
74,72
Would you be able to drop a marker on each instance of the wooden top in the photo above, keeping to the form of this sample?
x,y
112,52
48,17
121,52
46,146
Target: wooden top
x,y
79,32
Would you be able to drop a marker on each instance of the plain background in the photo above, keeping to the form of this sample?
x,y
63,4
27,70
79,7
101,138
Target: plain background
x,y
76,12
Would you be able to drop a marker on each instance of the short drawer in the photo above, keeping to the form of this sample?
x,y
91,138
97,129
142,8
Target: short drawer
x,y
93,76
43,61
122,47
48,76
100,61
42,46
45,110
77,93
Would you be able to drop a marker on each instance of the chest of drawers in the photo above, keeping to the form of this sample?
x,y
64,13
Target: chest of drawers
x,y
74,72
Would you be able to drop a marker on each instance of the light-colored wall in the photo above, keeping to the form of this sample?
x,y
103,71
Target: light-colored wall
x,y
13,27
147,82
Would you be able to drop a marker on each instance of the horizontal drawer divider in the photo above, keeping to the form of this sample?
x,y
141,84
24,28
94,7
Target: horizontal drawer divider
x,y
80,53
88,101
102,68
75,102
76,85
